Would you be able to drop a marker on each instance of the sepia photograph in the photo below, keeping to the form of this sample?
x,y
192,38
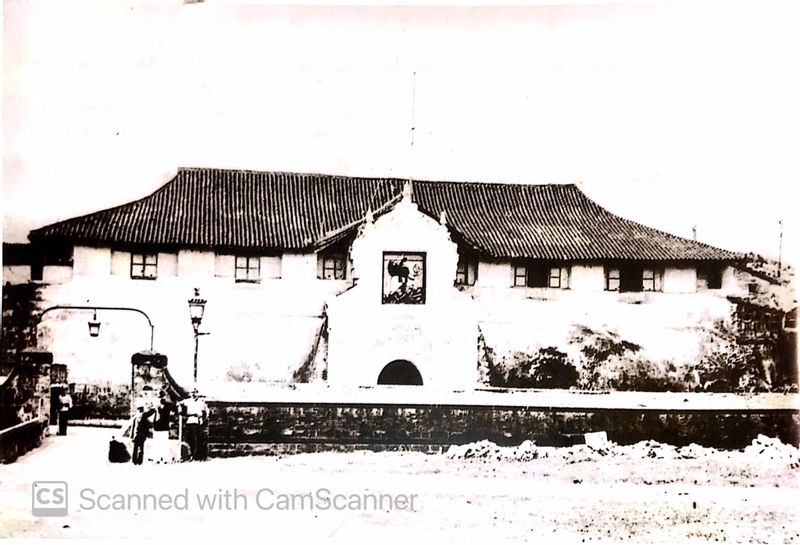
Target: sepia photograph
x,y
372,273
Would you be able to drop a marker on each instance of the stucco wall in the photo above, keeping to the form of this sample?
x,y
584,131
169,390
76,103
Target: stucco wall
x,y
680,280
299,267
438,337
88,261
120,263
264,330
16,274
495,274
587,278
56,274
196,264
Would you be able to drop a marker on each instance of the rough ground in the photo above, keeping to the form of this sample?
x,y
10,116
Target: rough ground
x,y
642,493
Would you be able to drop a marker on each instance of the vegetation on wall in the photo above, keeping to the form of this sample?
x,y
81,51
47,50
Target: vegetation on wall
x,y
20,316
547,368
607,362
728,365
488,369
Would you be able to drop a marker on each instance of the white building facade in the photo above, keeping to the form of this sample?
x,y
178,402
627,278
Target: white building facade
x,y
359,281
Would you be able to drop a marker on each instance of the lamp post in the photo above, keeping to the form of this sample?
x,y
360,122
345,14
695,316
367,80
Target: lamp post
x,y
197,306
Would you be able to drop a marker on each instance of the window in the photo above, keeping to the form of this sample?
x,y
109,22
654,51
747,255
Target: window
x,y
612,279
334,267
37,271
247,269
466,272
554,280
648,280
633,278
540,275
144,266
520,276
709,278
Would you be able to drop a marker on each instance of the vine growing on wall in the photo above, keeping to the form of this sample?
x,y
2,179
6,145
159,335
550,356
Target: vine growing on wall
x,y
20,316
488,370
546,368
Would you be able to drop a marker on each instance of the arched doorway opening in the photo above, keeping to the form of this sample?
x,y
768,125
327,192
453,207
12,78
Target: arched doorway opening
x,y
400,372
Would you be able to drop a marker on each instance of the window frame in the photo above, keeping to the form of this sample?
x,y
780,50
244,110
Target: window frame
x,y
145,265
649,275
463,276
634,278
332,262
517,276
247,268
613,274
540,275
550,278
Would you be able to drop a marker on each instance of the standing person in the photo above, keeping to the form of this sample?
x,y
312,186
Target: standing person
x,y
196,413
64,406
141,431
165,413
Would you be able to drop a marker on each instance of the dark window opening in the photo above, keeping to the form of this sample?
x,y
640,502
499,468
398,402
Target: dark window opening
x,y
709,277
633,278
37,271
539,275
466,271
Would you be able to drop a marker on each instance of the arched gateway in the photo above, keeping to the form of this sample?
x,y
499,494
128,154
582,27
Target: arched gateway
x,y
400,372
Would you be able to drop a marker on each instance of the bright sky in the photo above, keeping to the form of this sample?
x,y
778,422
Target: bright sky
x,y
674,116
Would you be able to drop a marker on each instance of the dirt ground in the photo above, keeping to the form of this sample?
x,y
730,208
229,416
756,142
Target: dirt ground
x,y
731,497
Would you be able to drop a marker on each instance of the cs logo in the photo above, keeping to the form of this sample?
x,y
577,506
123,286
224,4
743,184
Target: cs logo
x,y
49,499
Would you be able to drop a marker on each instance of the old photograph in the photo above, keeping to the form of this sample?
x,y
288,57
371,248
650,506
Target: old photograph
x,y
463,274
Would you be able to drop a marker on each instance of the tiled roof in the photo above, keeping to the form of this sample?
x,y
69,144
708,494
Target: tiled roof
x,y
214,208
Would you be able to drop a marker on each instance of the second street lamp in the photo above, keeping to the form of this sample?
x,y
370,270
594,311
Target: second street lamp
x,y
197,307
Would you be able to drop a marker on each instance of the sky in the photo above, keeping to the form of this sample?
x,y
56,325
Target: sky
x,y
674,115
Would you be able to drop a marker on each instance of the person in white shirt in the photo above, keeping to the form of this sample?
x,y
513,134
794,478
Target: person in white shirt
x,y
64,406
196,412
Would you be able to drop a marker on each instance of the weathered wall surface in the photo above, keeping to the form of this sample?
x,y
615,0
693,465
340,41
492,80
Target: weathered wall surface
x,y
25,394
267,328
667,326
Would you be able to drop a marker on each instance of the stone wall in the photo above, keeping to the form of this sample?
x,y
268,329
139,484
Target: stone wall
x,y
149,378
26,391
241,428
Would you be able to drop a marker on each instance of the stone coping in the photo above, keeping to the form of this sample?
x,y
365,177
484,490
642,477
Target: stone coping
x,y
312,394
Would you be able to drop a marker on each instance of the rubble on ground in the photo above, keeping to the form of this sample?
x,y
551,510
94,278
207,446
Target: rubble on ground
x,y
763,448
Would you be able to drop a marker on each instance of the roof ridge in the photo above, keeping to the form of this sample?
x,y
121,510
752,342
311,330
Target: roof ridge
x,y
375,178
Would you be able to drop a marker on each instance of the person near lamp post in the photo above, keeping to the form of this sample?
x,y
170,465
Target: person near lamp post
x,y
196,412
64,406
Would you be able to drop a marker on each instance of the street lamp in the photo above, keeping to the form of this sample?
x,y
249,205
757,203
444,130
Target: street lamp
x,y
197,306
94,326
